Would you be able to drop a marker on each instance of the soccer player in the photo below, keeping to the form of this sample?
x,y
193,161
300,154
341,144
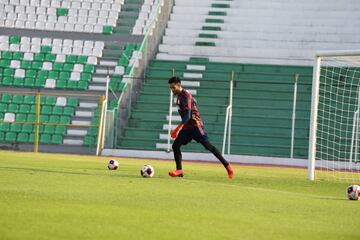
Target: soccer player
x,y
191,127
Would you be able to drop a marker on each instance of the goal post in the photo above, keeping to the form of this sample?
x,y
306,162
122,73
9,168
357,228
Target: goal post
x,y
334,135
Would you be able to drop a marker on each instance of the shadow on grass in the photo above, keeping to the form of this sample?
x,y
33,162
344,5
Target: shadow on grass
x,y
41,170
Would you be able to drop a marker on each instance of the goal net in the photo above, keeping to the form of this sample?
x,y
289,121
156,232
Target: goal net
x,y
334,144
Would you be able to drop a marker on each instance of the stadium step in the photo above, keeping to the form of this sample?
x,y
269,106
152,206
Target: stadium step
x,y
73,142
76,132
83,113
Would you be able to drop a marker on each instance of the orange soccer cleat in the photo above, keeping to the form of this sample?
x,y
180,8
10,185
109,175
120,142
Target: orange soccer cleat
x,y
177,173
230,171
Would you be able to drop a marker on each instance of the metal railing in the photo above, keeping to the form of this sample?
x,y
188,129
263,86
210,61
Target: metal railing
x,y
228,118
117,118
37,123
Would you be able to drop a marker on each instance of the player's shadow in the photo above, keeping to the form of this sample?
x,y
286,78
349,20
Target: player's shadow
x,y
47,170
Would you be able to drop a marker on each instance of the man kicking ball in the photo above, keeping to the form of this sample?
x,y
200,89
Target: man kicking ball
x,y
191,127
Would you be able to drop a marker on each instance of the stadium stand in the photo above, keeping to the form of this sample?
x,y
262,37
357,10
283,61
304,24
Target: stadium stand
x,y
268,45
72,16
273,32
62,51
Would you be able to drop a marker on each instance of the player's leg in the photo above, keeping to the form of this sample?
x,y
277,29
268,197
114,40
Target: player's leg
x,y
177,153
201,137
218,155
182,139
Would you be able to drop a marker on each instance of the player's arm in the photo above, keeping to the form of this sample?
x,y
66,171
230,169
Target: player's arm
x,y
185,118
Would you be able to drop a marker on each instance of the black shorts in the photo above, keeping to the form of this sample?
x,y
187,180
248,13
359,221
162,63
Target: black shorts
x,y
186,135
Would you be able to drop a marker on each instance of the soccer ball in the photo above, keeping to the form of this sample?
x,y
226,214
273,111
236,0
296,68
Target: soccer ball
x,y
113,164
147,171
353,192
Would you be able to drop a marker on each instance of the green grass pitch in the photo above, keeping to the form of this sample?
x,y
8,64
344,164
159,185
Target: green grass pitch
x,y
54,196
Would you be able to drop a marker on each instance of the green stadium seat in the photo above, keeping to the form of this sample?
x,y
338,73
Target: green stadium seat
x,y
71,59
72,85
58,67
92,131
40,83
68,67
7,81
60,130
26,64
2,116
72,102
49,57
8,72
64,76
69,111
33,109
39,57
6,98
44,118
45,49
54,119
41,128
18,56
36,65
32,137
29,99
3,107
30,73
89,141
85,77
50,100
46,110
14,39
82,59
88,68
17,99
49,129
65,119
27,128
57,110
15,127
24,108
4,63
29,82
20,117
4,127
53,75
23,137
13,107
31,118
6,55
42,74
10,137
18,82
83,85
61,84
2,136
45,138
56,139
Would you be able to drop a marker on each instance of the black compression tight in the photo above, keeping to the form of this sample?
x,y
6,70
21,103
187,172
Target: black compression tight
x,y
207,145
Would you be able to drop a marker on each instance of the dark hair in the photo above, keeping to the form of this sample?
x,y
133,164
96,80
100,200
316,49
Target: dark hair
x,y
174,80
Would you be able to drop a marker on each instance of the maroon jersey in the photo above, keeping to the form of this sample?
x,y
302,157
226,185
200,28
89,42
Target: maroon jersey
x,y
188,110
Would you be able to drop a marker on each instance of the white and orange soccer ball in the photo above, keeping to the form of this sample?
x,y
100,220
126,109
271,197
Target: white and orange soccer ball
x,y
353,192
113,164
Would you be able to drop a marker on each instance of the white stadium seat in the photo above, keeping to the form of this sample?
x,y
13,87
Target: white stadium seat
x,y
19,73
28,56
14,47
61,58
47,66
15,64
